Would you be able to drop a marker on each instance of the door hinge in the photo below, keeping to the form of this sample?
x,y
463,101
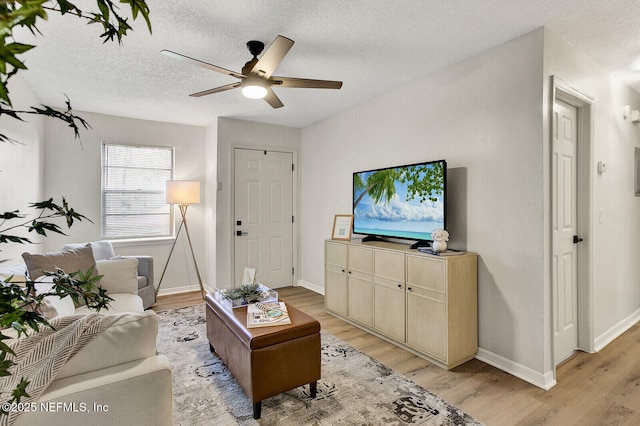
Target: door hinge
x,y
292,167
293,219
293,271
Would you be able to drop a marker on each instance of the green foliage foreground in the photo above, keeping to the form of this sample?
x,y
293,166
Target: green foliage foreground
x,y
19,304
27,14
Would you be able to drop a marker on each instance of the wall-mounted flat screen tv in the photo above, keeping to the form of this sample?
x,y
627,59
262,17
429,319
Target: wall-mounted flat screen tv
x,y
405,202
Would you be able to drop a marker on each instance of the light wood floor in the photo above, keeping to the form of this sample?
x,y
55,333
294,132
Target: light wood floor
x,y
592,389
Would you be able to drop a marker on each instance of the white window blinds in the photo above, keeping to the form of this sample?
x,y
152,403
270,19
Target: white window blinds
x,y
133,185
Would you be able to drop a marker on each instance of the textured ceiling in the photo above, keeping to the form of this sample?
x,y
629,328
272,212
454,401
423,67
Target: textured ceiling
x,y
371,45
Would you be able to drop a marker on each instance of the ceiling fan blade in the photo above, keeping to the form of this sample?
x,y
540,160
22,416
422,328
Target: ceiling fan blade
x,y
272,57
306,83
201,63
215,90
272,99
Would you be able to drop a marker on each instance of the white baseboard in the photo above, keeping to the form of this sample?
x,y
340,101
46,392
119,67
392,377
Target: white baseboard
x,y
311,286
182,289
616,331
545,381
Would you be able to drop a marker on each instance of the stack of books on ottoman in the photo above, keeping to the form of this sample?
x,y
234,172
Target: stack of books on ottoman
x,y
267,314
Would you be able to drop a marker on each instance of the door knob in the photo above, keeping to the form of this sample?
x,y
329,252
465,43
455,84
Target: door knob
x,y
577,239
240,233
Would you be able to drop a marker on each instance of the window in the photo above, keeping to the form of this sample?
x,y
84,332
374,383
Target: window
x,y
133,186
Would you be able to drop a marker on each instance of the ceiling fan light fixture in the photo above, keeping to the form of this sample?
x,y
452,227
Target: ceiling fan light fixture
x,y
256,76
254,88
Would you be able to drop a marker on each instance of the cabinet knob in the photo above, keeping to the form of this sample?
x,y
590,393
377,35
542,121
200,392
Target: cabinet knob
x,y
399,285
409,288
343,270
349,272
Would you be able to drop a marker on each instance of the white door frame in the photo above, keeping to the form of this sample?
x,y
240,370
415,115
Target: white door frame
x,y
232,203
585,105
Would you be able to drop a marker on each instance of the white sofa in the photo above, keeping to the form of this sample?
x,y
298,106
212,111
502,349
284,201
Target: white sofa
x,y
117,378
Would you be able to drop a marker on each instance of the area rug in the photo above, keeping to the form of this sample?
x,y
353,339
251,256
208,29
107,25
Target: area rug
x,y
354,389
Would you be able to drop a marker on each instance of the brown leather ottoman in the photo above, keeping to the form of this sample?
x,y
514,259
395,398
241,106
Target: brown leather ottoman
x,y
265,361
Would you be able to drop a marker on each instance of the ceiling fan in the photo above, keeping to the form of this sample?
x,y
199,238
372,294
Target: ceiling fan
x,y
256,79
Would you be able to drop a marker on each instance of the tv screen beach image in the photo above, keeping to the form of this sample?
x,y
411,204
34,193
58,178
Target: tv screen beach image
x,y
402,202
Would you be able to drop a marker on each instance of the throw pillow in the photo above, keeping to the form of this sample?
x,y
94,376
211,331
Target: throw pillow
x,y
69,261
119,275
63,307
48,310
101,249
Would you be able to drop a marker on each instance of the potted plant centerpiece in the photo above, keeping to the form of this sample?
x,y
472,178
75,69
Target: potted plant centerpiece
x,y
245,294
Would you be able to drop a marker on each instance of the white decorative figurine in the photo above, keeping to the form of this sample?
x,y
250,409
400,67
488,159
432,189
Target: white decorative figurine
x,y
440,238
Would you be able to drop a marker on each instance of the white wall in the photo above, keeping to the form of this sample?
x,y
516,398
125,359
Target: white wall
x,y
242,134
484,117
211,185
72,169
489,117
21,177
615,242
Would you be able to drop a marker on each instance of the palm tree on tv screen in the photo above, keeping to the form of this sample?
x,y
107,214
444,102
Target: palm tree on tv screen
x,y
424,182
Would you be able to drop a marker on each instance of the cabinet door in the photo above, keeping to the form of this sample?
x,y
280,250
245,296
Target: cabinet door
x,y
388,265
360,297
426,272
388,308
335,254
426,325
360,284
335,277
335,289
360,259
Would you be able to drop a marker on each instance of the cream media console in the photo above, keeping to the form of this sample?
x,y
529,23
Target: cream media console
x,y
424,303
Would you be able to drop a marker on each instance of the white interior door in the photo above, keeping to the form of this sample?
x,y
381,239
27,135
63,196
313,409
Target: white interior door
x,y
564,201
263,207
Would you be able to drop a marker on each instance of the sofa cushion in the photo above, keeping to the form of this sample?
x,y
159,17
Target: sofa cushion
x,y
122,302
80,259
119,275
131,338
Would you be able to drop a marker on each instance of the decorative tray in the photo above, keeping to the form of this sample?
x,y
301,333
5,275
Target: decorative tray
x,y
247,293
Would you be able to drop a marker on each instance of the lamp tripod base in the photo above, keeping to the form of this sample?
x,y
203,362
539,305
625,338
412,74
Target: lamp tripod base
x,y
183,224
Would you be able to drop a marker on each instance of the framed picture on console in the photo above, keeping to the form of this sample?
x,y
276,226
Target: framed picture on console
x,y
342,226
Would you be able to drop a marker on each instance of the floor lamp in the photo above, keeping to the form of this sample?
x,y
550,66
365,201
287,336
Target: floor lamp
x,y
183,193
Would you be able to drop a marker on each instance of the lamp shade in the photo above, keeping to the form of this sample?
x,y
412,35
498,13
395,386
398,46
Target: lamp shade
x,y
254,88
183,192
